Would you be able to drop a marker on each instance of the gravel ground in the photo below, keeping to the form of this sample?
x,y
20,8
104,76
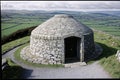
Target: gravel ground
x,y
90,71
93,70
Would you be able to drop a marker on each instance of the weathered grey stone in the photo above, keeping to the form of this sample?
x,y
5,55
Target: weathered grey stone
x,y
118,55
47,41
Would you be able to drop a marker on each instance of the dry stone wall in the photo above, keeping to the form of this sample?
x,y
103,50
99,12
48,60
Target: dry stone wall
x,y
47,51
47,40
89,47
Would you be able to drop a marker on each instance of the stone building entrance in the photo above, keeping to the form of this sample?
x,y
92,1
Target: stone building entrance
x,y
59,40
72,49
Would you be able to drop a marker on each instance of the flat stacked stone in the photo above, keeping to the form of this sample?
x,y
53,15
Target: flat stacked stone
x,y
47,58
118,55
47,40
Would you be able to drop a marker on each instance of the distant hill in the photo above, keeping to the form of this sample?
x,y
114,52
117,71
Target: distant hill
x,y
114,13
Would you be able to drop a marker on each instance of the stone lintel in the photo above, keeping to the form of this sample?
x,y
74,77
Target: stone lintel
x,y
76,64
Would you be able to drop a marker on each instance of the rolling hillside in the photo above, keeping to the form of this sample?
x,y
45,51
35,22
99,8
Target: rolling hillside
x,y
13,20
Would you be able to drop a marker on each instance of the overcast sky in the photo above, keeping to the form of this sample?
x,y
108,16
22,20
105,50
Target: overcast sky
x,y
59,5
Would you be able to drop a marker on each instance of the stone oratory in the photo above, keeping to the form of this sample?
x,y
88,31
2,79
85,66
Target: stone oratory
x,y
59,40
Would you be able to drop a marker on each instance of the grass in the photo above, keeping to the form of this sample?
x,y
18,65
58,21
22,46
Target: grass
x,y
90,62
108,59
13,29
10,62
111,25
111,65
17,57
107,39
13,71
22,23
6,25
14,43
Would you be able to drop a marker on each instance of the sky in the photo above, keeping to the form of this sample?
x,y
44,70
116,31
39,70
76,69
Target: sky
x,y
60,5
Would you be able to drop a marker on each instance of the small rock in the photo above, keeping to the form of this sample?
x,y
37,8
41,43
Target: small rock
x,y
118,55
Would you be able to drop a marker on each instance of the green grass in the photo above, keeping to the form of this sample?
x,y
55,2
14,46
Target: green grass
x,y
22,23
11,30
111,65
107,39
108,59
6,25
110,25
17,57
10,62
90,62
11,44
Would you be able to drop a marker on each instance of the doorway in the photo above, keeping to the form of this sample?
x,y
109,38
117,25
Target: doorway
x,y
72,49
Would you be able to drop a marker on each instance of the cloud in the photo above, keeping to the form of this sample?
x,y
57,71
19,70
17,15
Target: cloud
x,y
38,5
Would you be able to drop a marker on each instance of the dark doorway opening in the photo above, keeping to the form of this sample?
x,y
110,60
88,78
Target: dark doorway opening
x,y
72,49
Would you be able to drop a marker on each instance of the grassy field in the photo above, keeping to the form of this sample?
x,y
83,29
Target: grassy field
x,y
110,45
113,28
12,22
16,22
11,30
7,25
11,44
8,28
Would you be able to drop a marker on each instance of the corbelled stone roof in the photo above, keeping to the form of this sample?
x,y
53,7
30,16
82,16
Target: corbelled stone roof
x,y
59,26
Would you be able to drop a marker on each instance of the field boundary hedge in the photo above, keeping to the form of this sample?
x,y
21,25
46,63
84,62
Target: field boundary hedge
x,y
17,34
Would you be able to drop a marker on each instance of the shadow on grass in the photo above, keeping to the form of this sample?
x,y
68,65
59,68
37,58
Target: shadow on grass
x,y
15,72
107,51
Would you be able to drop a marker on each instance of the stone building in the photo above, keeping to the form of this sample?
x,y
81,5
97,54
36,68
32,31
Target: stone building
x,y
59,40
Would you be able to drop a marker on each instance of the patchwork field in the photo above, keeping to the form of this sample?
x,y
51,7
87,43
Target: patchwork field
x,y
15,20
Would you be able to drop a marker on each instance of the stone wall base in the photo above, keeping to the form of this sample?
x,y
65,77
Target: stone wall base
x,y
26,55
76,64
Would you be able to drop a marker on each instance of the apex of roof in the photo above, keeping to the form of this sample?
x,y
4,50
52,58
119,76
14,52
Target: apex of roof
x,y
63,16
61,25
